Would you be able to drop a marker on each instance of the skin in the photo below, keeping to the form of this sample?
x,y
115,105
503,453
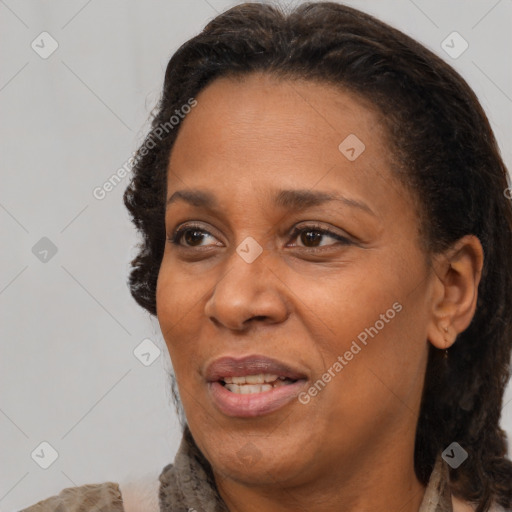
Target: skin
x,y
351,447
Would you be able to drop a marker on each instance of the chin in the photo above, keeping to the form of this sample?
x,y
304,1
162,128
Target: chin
x,y
260,461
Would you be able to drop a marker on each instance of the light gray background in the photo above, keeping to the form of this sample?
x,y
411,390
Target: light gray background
x,y
69,326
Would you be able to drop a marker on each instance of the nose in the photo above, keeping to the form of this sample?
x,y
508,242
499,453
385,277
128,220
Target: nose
x,y
247,292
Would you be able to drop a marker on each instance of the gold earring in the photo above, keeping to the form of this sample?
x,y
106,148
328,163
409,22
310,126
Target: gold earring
x,y
445,355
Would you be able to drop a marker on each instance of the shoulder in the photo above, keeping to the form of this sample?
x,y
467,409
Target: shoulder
x,y
464,506
104,497
139,495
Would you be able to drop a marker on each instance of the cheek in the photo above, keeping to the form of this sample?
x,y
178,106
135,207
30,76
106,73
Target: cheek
x,y
383,369
347,300
375,323
376,383
176,295
177,312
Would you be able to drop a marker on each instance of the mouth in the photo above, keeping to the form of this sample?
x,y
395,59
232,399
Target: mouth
x,y
253,385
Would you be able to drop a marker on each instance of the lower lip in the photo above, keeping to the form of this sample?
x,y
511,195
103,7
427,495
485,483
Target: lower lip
x,y
253,404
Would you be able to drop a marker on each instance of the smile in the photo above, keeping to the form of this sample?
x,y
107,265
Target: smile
x,y
253,385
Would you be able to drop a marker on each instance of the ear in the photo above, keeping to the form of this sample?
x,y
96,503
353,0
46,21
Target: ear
x,y
455,290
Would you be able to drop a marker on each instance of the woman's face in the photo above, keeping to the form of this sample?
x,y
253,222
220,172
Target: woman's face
x,y
346,318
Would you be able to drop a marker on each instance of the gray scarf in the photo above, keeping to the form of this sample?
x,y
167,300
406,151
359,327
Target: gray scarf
x,y
188,485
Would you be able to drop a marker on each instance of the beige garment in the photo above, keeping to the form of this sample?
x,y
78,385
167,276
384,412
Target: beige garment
x,y
104,497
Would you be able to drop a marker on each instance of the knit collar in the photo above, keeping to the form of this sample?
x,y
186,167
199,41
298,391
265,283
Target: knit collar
x,y
188,484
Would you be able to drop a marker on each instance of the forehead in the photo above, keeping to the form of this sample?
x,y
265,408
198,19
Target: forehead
x,y
259,133
285,112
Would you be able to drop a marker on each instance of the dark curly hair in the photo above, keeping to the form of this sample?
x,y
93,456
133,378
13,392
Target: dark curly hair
x,y
445,154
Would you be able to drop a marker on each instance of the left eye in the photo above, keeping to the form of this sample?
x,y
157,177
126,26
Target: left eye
x,y
314,234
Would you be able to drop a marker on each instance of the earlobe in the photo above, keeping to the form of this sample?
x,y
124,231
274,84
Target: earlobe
x,y
455,291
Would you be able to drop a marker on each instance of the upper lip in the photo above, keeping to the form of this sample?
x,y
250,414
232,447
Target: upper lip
x,y
250,365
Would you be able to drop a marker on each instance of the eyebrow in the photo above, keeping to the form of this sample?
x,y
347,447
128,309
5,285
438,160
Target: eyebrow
x,y
291,199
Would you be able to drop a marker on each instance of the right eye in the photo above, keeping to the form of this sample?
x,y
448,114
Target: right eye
x,y
190,233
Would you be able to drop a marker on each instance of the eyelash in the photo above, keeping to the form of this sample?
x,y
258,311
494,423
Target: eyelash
x,y
175,238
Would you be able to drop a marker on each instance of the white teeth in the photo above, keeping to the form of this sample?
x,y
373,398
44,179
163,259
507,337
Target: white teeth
x,y
243,389
247,389
261,378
